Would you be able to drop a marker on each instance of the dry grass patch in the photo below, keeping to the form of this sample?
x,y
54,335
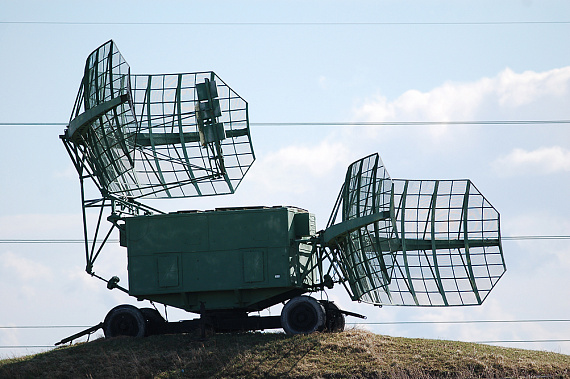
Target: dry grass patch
x,y
351,354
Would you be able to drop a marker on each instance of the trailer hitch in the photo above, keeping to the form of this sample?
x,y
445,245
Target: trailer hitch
x,y
89,331
347,313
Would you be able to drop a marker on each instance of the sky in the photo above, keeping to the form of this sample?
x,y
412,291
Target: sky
x,y
304,62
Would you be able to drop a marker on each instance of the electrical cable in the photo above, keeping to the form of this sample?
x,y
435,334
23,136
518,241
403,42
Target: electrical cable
x,y
348,23
32,123
49,241
75,241
521,341
45,326
413,123
355,323
354,123
522,238
348,323
456,322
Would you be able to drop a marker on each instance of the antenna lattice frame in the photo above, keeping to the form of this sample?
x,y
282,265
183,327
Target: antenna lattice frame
x,y
417,242
158,136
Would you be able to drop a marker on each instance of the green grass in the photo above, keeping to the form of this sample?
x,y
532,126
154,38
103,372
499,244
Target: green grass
x,y
351,354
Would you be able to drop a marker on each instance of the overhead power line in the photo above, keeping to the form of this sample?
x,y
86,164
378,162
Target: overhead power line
x,y
45,327
522,238
73,241
414,123
287,23
354,123
32,123
356,323
521,341
459,322
49,241
535,321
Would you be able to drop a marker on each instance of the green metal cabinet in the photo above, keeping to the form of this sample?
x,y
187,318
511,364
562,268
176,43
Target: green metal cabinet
x,y
227,259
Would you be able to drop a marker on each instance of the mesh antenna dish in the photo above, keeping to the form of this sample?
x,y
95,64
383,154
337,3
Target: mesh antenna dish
x,y
414,242
158,136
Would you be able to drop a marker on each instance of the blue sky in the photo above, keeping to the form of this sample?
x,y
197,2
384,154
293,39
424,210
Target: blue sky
x,y
293,61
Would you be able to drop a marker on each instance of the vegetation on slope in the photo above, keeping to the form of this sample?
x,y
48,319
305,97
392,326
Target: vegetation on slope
x,y
351,354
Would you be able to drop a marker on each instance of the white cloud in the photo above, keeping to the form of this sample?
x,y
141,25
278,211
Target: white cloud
x,y
544,160
25,269
515,90
466,101
507,96
450,101
294,169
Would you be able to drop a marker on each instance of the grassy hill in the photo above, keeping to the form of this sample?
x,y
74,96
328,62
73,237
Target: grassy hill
x,y
351,354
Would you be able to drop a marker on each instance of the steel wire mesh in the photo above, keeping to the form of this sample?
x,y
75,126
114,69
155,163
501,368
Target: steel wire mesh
x,y
450,245
144,137
367,253
437,243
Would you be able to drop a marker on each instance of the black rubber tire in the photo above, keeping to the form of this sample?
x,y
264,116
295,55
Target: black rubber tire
x,y
303,315
124,320
154,321
335,319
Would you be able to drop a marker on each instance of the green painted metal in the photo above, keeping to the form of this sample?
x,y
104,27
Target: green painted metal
x,y
468,265
408,278
189,136
434,244
79,124
235,258
341,229
157,167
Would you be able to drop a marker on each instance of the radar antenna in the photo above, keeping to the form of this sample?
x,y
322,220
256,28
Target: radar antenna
x,y
414,242
387,241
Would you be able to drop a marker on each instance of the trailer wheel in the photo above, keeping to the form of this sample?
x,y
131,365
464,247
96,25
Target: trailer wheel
x,y
124,320
335,319
154,321
303,315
